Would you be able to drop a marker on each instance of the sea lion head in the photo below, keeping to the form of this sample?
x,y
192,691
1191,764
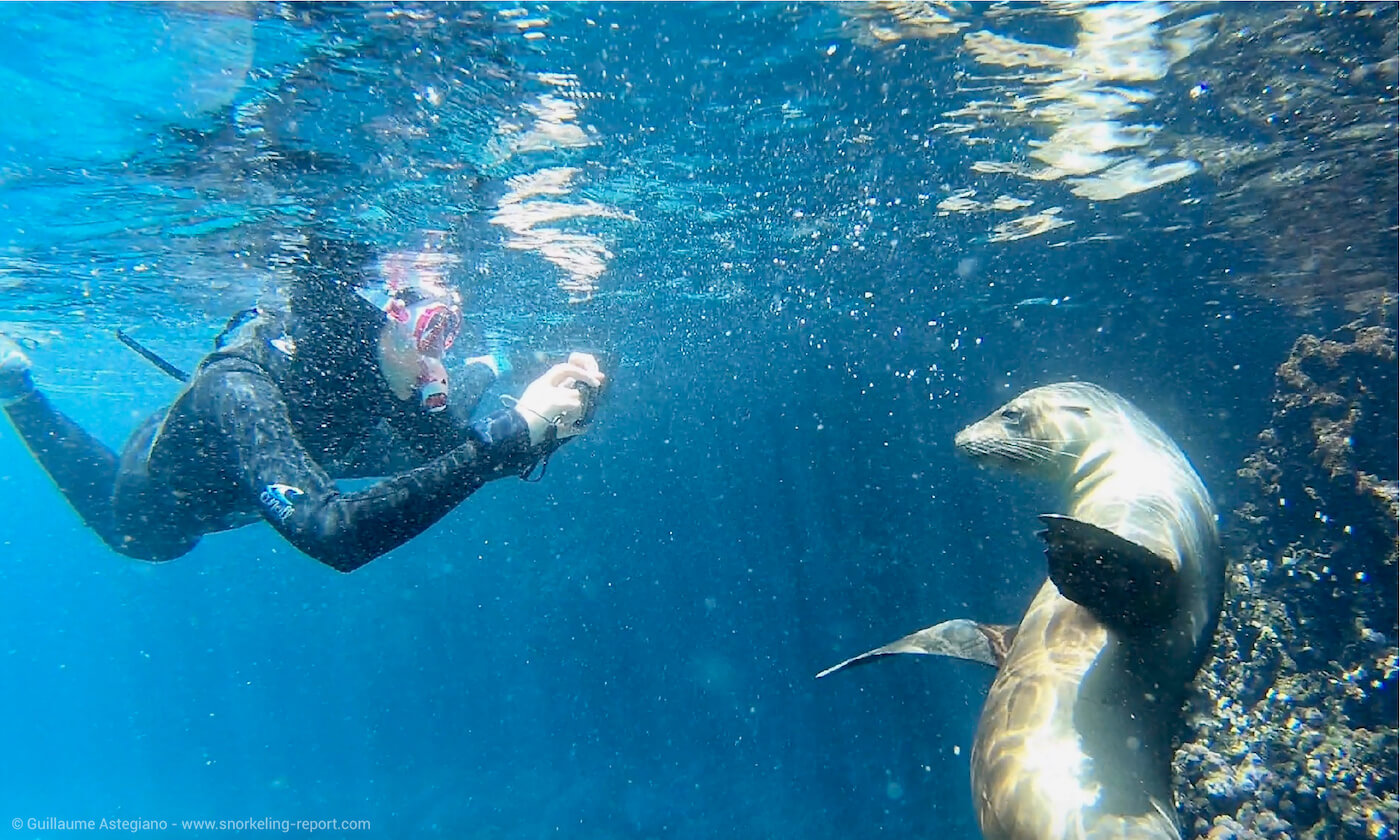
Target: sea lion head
x,y
1044,431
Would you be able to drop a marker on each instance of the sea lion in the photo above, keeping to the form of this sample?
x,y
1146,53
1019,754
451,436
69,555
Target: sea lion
x,y
1074,741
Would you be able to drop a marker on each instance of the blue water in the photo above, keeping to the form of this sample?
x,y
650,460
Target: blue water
x,y
794,333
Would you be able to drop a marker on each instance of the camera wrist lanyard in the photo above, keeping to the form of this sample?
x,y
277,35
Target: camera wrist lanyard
x,y
545,448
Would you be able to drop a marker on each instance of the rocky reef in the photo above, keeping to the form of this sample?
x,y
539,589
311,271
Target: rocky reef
x,y
1292,733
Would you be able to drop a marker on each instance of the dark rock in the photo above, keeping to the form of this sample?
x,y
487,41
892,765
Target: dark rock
x,y
1293,729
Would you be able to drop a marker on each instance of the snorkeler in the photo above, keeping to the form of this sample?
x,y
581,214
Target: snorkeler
x,y
346,381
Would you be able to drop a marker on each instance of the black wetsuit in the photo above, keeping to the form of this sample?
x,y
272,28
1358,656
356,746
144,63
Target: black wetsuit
x,y
262,429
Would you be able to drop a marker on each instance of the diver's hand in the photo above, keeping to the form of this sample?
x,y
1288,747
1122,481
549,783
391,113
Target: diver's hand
x,y
497,362
553,399
489,361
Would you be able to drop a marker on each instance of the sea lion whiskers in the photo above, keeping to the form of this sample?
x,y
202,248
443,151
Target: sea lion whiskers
x,y
1032,451
1025,452
1054,445
1003,449
1021,449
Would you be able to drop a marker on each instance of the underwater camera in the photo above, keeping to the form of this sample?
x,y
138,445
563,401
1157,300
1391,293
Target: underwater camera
x,y
589,396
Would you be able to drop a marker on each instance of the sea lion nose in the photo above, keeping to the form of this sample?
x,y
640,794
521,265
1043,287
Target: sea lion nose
x,y
963,438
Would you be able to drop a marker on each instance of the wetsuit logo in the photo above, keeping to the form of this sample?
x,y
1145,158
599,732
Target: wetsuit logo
x,y
278,499
285,345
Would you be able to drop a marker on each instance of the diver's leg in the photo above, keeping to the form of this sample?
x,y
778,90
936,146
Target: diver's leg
x,y
148,519
15,382
84,469
116,497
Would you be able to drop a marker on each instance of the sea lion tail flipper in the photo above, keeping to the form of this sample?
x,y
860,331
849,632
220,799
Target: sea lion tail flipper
x,y
964,639
1124,585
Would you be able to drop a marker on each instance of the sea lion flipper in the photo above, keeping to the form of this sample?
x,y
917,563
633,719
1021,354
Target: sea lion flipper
x,y
961,638
1124,585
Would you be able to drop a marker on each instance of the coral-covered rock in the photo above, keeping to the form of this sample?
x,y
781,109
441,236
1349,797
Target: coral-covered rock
x,y
1293,730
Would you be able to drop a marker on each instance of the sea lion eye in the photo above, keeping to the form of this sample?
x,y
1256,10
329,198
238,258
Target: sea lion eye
x,y
1011,415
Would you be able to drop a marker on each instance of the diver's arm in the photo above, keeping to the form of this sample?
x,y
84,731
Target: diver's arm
x,y
420,435
298,498
469,385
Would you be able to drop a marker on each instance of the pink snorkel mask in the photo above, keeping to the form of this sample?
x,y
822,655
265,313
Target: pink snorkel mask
x,y
432,324
427,315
